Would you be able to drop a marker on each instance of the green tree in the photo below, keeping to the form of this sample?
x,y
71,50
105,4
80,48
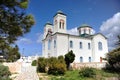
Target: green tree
x,y
4,72
118,42
34,63
14,22
69,58
113,59
41,64
13,54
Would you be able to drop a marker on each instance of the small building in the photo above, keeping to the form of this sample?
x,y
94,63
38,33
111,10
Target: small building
x,y
87,47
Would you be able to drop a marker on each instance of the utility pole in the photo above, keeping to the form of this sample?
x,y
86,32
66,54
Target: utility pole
x,y
23,53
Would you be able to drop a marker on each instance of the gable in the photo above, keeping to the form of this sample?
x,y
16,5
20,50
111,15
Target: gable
x,y
99,35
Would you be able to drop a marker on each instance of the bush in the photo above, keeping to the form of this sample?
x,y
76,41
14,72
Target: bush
x,y
53,65
69,58
87,72
57,66
34,63
41,64
4,72
113,59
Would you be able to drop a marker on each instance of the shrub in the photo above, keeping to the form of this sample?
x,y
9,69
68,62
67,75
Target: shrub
x,y
87,72
4,72
69,58
41,64
53,65
57,66
113,59
34,63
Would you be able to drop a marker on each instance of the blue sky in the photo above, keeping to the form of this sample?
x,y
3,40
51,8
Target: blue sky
x,y
97,13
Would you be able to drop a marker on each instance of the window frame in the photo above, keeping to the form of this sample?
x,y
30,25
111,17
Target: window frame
x,y
81,59
89,46
90,59
71,44
80,45
54,43
100,46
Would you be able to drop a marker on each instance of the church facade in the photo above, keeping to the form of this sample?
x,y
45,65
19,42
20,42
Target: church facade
x,y
86,46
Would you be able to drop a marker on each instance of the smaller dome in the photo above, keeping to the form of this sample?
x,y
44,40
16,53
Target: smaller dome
x,y
84,25
59,12
48,23
85,30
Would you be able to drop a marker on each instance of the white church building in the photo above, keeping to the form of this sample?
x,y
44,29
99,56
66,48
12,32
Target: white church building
x,y
86,46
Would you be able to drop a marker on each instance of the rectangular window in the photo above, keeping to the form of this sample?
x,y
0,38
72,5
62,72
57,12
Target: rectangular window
x,y
89,46
71,44
80,45
89,59
81,59
54,43
49,44
100,46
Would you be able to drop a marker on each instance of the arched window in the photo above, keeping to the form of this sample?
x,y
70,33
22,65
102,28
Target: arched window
x,y
60,24
89,31
99,45
48,54
54,43
89,59
71,44
79,31
80,45
49,44
63,25
89,46
84,31
81,59
43,46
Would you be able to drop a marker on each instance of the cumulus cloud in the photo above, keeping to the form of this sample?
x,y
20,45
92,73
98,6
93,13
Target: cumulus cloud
x,y
40,37
111,28
73,31
24,40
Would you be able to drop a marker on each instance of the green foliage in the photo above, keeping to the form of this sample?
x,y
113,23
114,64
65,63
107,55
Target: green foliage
x,y
4,73
74,75
42,63
87,72
34,63
12,54
23,4
113,59
52,65
14,22
69,58
118,42
57,66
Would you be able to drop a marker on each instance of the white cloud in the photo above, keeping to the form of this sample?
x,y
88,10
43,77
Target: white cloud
x,y
24,40
73,31
40,37
111,28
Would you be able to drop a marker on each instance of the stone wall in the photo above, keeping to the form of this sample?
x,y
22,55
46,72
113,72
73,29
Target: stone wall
x,y
97,65
14,67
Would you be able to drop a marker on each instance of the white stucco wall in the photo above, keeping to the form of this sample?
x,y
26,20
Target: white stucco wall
x,y
62,44
84,52
99,53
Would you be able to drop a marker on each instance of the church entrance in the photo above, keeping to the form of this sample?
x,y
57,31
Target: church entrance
x,y
100,59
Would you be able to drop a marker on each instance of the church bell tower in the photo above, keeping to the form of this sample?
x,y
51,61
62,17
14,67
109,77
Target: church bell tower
x,y
60,22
